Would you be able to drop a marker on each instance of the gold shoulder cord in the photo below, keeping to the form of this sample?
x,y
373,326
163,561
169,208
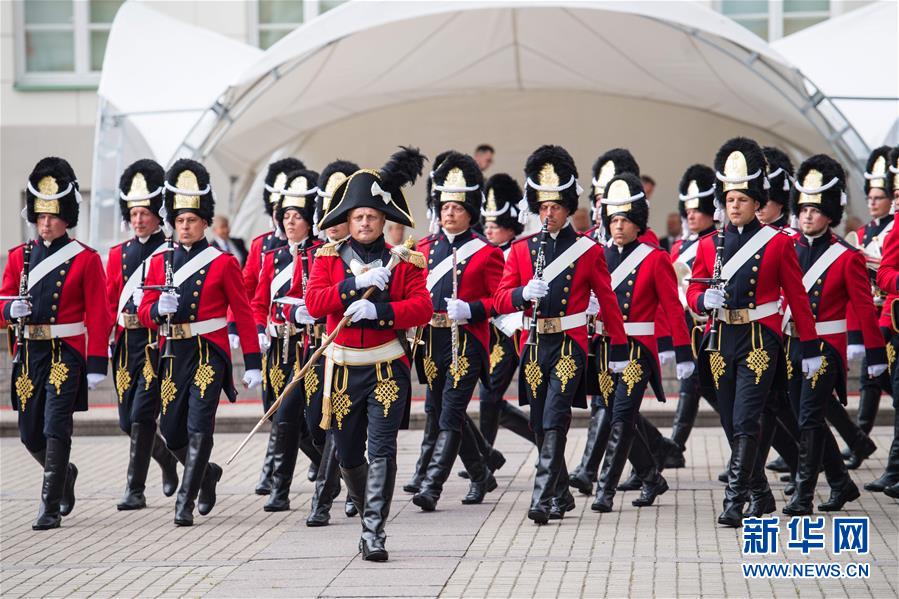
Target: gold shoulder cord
x,y
24,386
148,371
122,376
461,367
758,359
566,367
387,390
205,374
59,372
716,360
340,401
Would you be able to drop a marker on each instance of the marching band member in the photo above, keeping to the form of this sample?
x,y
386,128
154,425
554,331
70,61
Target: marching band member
x,y
550,277
190,290
835,270
135,354
366,374
53,289
282,340
757,262
463,271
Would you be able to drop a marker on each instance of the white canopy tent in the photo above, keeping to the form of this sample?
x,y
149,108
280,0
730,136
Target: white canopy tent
x,y
669,80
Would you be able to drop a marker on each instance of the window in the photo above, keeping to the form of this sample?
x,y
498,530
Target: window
x,y
773,19
62,42
276,18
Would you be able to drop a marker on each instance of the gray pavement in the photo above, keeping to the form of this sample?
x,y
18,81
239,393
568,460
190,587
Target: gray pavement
x,y
490,550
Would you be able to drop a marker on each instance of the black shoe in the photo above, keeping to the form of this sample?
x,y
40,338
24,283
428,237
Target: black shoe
x,y
666,451
846,453
722,477
195,458
890,474
429,437
676,459
168,464
633,483
892,491
649,492
355,478
327,486
785,478
861,451
743,453
790,488
840,496
446,448
585,474
478,490
580,480
312,472
349,508
811,453
142,439
56,461
67,503
561,504
206,500
684,419
284,461
378,495
264,486
778,465
549,468
462,474
621,438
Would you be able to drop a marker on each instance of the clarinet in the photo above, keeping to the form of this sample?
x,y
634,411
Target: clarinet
x,y
23,293
538,274
719,284
454,327
169,283
285,328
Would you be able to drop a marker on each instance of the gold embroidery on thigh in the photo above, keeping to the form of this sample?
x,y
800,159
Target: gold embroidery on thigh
x,y
758,359
387,390
566,367
340,401
533,376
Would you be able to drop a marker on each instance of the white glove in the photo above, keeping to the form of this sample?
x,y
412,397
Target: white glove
x,y
19,308
713,298
93,380
592,305
138,296
666,356
855,351
252,378
264,342
811,365
535,289
457,309
684,370
875,370
376,277
361,310
234,340
618,367
302,315
167,304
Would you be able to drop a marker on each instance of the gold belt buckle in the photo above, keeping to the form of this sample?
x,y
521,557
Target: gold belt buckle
x,y
740,316
38,332
179,331
131,321
549,325
440,321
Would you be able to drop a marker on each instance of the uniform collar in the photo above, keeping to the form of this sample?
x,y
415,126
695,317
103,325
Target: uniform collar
x,y
819,240
566,232
452,237
748,229
197,247
782,221
627,247
369,252
883,220
56,243
156,236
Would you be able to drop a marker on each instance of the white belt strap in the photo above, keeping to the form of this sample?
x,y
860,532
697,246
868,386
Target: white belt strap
x,y
468,249
811,276
561,262
763,311
48,264
755,243
280,279
204,327
58,331
572,321
633,260
688,254
874,247
632,329
132,283
194,264
365,356
831,327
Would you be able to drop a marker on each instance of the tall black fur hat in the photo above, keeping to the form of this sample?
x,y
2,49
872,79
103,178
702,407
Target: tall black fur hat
x,y
740,165
300,193
331,177
141,185
550,176
697,190
500,202
53,189
876,170
821,182
780,176
459,179
614,162
275,179
187,189
624,196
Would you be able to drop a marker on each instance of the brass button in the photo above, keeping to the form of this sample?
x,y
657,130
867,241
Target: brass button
x,y
752,281
196,293
55,296
627,293
561,312
816,293
199,282
59,283
533,252
381,322
53,307
276,260
62,273
626,306
814,305
390,323
624,317
758,257
126,277
630,283
192,317
352,292
564,301
751,306
755,269
202,271
751,293
565,289
124,267
52,319
568,277
193,306
343,296
430,261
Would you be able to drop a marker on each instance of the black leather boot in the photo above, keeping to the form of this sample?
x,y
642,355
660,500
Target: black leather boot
x,y
309,450
142,439
194,457
621,438
494,458
549,467
743,452
761,499
264,486
488,419
514,419
67,502
654,484
206,499
811,450
169,465
684,419
284,461
868,405
429,437
356,479
842,489
481,479
56,461
778,464
584,475
349,508
378,495
446,448
890,474
327,485
862,449
892,491
563,500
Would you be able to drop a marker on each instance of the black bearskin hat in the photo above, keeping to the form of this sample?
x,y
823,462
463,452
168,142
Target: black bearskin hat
x,y
187,188
894,169
612,163
141,185
459,179
697,190
275,178
820,182
551,176
876,170
500,202
381,190
53,189
780,176
330,179
300,192
740,165
624,196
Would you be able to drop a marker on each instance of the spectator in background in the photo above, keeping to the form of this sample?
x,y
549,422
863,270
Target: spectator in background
x,y
483,155
580,220
853,223
394,233
649,184
221,238
674,230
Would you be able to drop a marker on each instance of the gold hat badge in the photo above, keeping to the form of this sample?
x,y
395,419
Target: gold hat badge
x,y
187,191
619,198
878,174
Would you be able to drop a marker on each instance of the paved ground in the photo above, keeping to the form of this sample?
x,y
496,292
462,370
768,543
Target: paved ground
x,y
673,549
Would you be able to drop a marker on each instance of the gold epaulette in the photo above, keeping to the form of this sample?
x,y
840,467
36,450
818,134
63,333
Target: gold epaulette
x,y
417,259
329,249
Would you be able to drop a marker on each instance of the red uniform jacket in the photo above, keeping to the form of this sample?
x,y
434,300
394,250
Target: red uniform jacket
x,y
124,262
274,261
402,305
773,270
252,268
588,273
74,292
479,276
888,278
210,293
